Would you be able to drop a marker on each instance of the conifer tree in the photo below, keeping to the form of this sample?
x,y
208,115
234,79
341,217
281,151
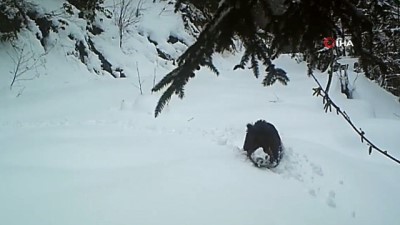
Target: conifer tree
x,y
299,25
385,66
88,7
208,7
12,18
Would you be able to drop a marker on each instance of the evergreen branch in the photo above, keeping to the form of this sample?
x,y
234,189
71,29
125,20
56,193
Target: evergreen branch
x,y
164,99
211,67
167,79
261,50
176,87
254,65
281,76
180,92
262,55
180,84
275,74
199,54
244,60
207,61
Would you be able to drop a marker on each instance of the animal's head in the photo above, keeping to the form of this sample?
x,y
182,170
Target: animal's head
x,y
251,142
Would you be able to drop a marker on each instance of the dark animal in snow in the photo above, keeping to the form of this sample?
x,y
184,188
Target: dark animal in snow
x,y
263,134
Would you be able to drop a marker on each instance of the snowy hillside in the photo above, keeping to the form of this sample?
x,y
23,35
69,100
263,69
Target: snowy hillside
x,y
83,148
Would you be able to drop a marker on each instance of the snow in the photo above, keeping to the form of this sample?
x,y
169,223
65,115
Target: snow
x,y
156,14
82,148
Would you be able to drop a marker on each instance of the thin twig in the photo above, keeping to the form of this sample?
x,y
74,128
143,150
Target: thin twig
x,y
155,73
24,62
354,81
125,16
139,81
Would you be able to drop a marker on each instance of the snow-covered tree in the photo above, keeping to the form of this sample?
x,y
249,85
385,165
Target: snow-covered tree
x,y
12,18
384,67
88,8
207,7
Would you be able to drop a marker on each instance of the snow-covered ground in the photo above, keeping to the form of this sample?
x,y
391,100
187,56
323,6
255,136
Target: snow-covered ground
x,y
79,148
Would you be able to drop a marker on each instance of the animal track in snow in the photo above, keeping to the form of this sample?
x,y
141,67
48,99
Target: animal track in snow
x,y
331,199
222,141
312,192
317,169
290,165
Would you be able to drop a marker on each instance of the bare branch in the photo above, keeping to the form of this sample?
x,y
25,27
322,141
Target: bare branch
x,y
125,14
328,102
139,80
23,63
155,73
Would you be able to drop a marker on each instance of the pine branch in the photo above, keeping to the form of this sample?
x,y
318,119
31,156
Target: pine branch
x,y
167,79
275,74
177,87
164,99
244,60
211,66
199,54
254,65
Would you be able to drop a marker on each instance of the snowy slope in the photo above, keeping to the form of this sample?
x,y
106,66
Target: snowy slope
x,y
78,148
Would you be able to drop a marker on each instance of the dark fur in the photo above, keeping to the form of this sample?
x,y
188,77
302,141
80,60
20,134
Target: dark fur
x,y
265,135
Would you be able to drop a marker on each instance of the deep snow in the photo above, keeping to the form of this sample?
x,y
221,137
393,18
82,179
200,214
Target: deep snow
x,y
79,148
